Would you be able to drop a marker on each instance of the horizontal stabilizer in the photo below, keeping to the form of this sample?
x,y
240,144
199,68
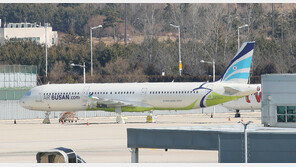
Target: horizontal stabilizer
x,y
230,91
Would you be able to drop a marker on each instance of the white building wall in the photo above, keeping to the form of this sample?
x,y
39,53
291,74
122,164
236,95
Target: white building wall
x,y
277,90
11,31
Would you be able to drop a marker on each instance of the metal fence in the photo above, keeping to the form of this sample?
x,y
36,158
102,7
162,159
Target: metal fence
x,y
13,93
11,109
18,76
17,80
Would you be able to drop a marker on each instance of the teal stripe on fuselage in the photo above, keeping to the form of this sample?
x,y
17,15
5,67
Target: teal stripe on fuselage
x,y
245,63
239,76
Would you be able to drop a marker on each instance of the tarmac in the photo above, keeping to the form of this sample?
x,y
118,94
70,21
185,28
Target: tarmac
x,y
104,141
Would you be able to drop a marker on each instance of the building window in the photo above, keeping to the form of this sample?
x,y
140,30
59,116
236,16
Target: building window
x,y
286,113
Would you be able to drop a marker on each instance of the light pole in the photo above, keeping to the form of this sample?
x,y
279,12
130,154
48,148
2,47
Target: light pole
x,y
45,49
91,56
213,63
238,44
180,60
246,139
214,75
83,66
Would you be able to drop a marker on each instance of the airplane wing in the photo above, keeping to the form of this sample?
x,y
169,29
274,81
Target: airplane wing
x,y
113,102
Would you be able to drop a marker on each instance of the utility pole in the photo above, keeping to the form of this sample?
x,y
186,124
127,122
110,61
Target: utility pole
x,y
91,54
82,66
246,138
180,58
45,42
272,20
214,78
282,29
46,50
125,26
238,44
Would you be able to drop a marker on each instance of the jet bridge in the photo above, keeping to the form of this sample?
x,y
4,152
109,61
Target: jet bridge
x,y
265,144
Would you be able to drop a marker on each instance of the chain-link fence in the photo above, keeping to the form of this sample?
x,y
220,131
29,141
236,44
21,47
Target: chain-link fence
x,y
17,80
18,76
12,93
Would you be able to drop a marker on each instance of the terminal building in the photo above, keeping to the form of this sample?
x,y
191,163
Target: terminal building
x,y
28,32
279,100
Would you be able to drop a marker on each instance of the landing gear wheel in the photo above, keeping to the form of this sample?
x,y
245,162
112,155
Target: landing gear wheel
x,y
119,118
237,114
46,119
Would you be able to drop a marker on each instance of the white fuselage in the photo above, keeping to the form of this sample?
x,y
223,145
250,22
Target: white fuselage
x,y
147,96
73,97
182,95
250,102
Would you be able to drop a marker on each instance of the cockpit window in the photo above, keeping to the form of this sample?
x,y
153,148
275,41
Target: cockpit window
x,y
28,93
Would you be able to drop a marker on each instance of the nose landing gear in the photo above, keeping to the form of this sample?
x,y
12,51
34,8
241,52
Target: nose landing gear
x,y
46,119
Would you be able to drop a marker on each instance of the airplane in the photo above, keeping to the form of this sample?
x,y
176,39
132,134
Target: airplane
x,y
140,97
251,102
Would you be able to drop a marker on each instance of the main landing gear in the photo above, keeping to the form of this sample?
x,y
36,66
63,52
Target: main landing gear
x,y
151,118
119,118
46,119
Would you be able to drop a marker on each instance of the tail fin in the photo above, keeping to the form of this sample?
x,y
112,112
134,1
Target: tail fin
x,y
238,70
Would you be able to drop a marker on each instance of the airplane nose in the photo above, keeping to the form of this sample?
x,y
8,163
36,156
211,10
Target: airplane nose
x,y
23,102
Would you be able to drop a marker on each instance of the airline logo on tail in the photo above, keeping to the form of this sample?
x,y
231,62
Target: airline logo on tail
x,y
239,68
238,71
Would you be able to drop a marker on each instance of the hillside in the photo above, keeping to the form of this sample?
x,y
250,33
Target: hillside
x,y
207,31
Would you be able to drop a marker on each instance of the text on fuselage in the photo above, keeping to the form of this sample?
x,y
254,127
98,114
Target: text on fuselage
x,y
60,97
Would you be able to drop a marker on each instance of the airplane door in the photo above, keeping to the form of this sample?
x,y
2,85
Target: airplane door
x,y
144,91
86,90
39,97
